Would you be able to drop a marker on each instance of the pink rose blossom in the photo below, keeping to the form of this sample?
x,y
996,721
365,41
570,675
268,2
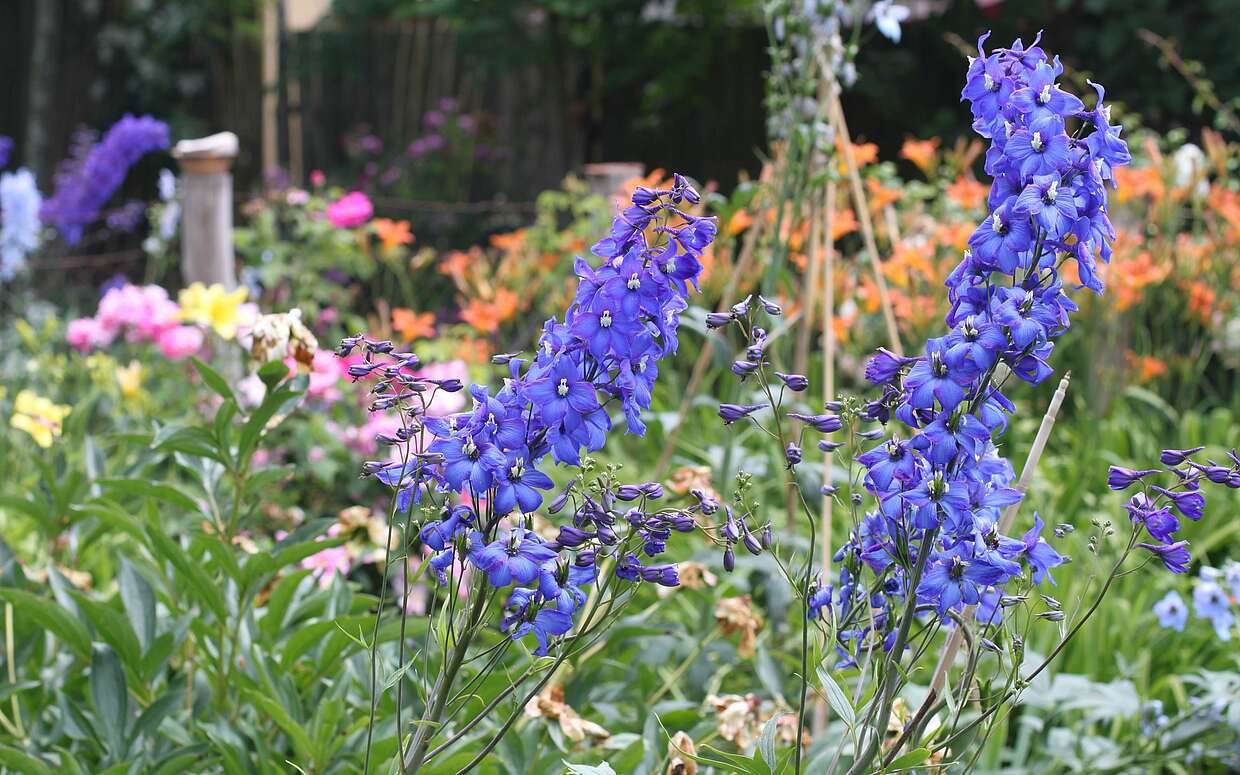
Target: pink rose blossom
x,y
350,211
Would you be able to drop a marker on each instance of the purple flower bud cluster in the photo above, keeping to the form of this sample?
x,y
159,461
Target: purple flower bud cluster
x,y
87,179
1156,510
555,403
941,491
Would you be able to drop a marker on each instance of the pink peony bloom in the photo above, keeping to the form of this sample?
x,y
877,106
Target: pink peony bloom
x,y
144,313
325,374
86,334
180,342
350,211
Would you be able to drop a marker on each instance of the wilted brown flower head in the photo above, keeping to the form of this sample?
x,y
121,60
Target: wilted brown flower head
x,y
550,704
736,614
680,749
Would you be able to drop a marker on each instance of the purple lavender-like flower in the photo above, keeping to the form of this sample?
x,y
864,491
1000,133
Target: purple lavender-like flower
x,y
86,182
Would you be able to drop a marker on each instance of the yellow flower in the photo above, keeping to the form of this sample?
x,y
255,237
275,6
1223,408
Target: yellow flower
x,y
39,417
213,306
129,378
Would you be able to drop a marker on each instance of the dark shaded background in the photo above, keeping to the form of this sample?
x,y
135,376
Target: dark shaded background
x,y
568,82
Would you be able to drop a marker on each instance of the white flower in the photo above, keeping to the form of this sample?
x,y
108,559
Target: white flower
x,y
887,16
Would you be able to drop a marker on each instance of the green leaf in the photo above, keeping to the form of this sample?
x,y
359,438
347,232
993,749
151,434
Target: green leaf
x,y
109,696
150,719
278,713
766,742
139,601
198,442
272,374
113,628
909,760
213,380
22,762
837,698
162,492
590,769
50,617
189,571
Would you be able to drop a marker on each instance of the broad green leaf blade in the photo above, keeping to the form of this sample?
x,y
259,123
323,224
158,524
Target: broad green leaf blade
x,y
50,617
139,601
109,696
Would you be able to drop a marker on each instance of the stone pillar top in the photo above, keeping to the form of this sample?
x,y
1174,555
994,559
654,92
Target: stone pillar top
x,y
206,155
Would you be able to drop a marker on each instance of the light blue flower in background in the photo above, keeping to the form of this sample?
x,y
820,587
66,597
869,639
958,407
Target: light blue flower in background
x,y
1171,611
19,220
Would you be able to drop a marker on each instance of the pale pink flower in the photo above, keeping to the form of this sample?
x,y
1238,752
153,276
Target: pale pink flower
x,y
446,403
86,334
326,564
180,342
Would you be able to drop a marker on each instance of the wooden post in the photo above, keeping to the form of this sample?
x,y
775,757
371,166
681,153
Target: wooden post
x,y
207,209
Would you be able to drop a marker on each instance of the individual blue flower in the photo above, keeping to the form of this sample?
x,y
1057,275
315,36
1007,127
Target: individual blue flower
x,y
1175,557
548,623
1001,238
561,394
1040,555
519,485
1171,611
438,534
931,379
1210,602
1042,149
1159,522
955,577
469,460
891,461
1041,98
1120,478
514,555
1189,501
1052,208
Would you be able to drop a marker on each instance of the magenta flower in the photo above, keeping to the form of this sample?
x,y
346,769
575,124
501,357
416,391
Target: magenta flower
x,y
350,211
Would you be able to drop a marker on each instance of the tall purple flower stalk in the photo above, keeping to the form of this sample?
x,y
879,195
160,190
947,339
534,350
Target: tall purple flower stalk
x,y
941,486
87,179
556,403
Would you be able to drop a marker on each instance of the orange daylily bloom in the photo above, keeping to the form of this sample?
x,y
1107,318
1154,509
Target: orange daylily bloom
x,y
393,234
967,193
1227,204
1201,299
843,222
1147,367
955,235
486,316
412,325
740,220
921,152
454,264
863,154
1136,182
509,241
880,195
